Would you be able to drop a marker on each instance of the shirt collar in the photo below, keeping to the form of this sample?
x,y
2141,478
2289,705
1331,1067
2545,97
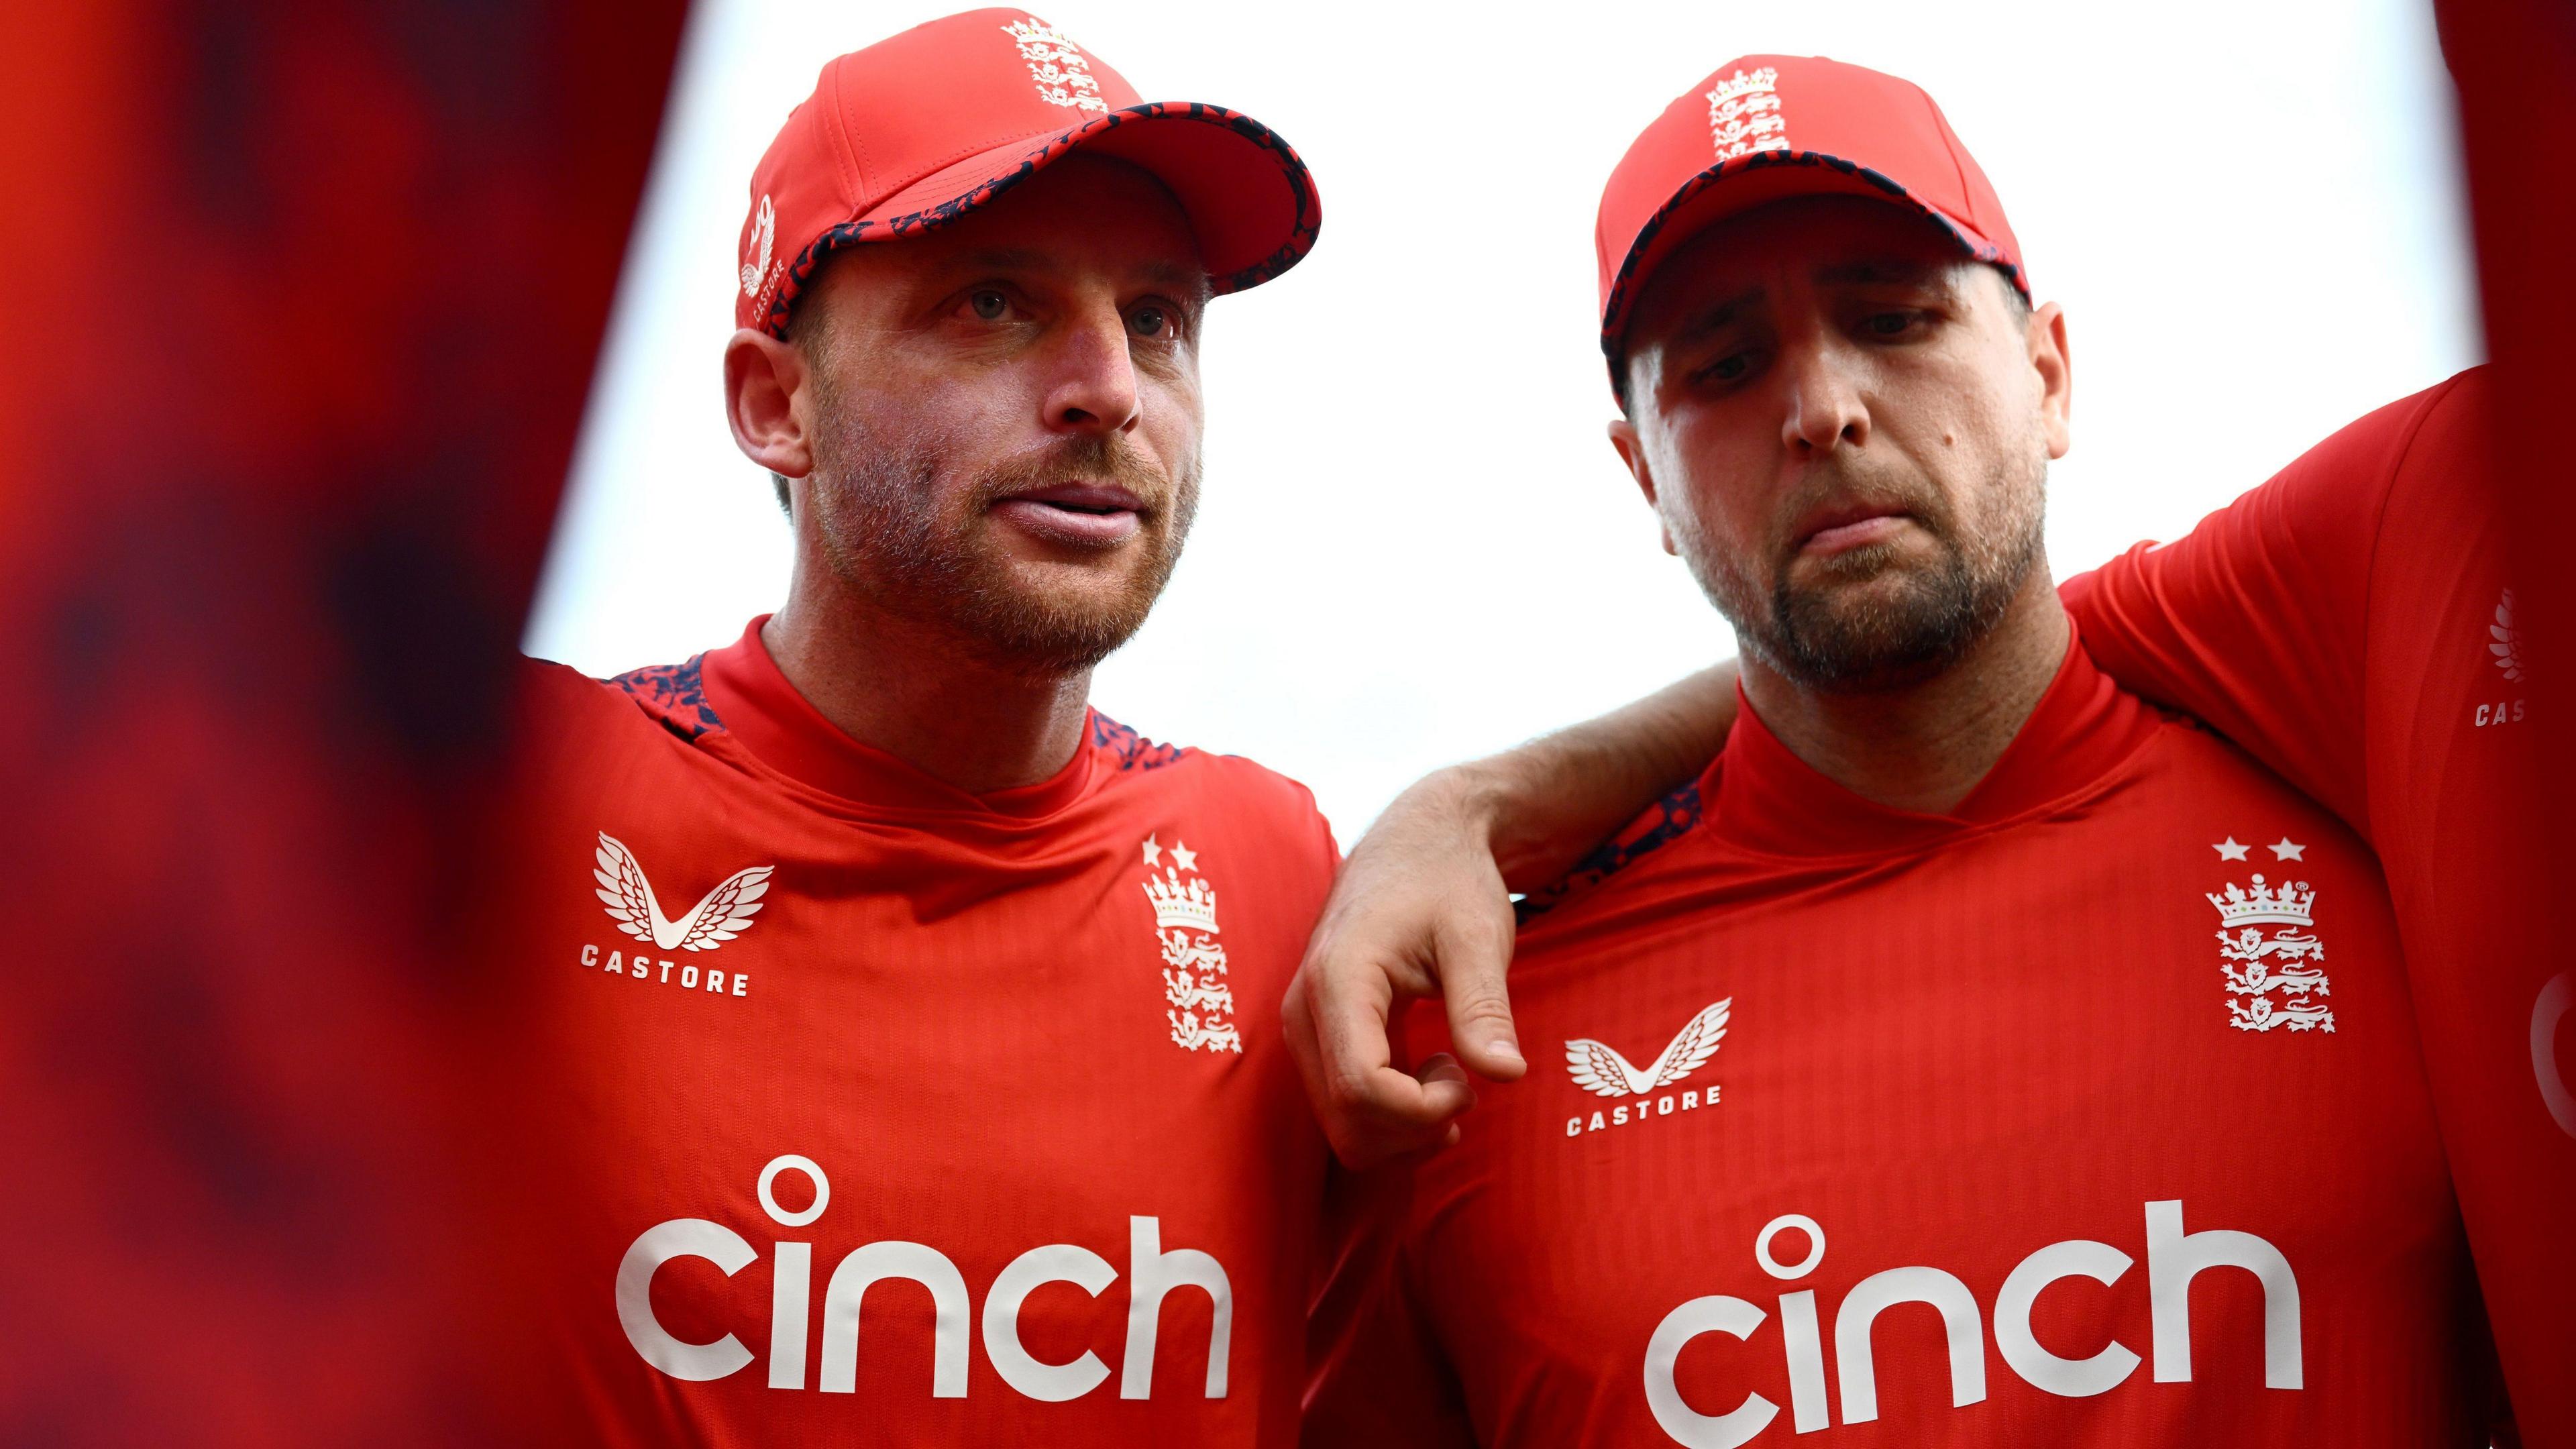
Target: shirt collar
x,y
784,731
1768,799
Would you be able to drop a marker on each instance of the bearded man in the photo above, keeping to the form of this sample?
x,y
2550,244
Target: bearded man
x,y
898,1027
1971,1053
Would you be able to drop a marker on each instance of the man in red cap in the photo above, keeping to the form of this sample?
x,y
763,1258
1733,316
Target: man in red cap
x,y
1964,1011
903,1066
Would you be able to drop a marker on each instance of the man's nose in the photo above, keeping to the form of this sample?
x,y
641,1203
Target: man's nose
x,y
1822,408
1094,388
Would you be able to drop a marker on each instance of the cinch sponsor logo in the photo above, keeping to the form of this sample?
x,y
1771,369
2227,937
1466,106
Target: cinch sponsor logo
x,y
1152,1274
2174,1258
2551,1007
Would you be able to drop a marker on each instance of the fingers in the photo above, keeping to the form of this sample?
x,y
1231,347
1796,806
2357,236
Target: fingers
x,y
1337,1029
1441,1070
1475,958
1418,909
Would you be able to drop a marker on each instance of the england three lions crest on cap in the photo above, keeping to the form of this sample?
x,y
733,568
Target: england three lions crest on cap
x,y
1063,77
1198,998
1744,114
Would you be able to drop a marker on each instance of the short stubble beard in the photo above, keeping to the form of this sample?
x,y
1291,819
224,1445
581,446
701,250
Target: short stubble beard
x,y
899,532
1820,637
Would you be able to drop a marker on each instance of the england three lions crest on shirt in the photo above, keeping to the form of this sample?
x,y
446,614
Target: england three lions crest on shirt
x,y
1197,995
2268,952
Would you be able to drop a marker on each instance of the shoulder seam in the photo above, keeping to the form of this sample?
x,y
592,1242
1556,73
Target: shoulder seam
x,y
1132,750
673,696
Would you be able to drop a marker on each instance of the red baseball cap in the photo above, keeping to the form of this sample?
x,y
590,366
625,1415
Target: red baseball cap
x,y
918,130
1762,128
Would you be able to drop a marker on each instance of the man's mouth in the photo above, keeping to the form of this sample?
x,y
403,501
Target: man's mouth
x,y
1076,515
1844,527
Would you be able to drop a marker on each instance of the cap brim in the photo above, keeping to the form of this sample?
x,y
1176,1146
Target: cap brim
x,y
1251,203
1743,183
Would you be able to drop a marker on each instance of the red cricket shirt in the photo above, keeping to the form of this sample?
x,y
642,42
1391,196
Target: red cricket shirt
x,y
2089,1114
865,1109
2350,623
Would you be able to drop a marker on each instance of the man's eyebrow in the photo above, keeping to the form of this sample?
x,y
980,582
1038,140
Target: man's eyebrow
x,y
1190,282
1003,259
1907,273
1716,316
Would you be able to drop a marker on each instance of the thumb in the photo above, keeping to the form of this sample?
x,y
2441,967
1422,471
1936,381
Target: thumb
x,y
1473,962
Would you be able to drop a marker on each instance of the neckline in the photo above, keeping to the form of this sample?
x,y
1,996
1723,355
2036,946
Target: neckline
x,y
764,712
1768,799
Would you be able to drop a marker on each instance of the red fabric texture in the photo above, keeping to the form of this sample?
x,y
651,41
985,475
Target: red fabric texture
x,y
2514,62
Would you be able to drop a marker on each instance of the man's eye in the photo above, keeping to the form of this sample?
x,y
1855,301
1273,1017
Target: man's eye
x,y
989,304
1150,322
1890,324
1728,369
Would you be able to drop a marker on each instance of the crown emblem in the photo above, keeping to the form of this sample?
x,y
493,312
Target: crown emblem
x,y
1740,84
2292,904
1744,114
1063,76
1190,908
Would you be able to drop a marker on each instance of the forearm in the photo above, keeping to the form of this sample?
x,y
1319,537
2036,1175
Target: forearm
x,y
1545,803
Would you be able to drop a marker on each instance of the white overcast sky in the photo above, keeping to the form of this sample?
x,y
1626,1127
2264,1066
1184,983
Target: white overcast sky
x,y
1415,545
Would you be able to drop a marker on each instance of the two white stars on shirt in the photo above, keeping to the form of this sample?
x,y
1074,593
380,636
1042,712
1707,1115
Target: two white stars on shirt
x,y
2287,849
1182,855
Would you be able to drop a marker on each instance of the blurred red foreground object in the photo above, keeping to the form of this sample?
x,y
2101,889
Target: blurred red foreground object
x,y
300,303
2513,61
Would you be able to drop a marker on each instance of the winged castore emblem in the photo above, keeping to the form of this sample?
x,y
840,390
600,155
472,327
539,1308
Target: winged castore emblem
x,y
1598,1067
725,912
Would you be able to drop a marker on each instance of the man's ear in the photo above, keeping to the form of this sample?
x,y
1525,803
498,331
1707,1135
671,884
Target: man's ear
x,y
2046,342
1632,453
765,382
